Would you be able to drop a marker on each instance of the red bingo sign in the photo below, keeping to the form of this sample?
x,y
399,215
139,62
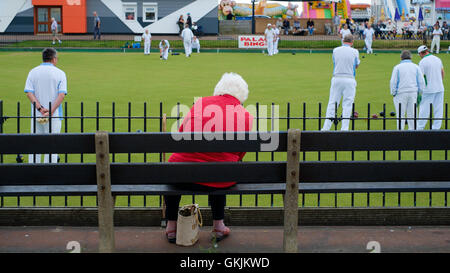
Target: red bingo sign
x,y
252,41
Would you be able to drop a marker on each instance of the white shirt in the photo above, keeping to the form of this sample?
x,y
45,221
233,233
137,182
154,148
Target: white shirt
x,y
187,35
46,81
277,32
431,67
166,45
406,77
270,34
196,43
368,33
54,25
147,37
345,61
344,32
437,33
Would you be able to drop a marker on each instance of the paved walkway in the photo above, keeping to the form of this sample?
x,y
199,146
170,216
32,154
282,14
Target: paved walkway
x,y
241,240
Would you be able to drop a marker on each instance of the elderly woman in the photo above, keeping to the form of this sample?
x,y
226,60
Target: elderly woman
x,y
229,95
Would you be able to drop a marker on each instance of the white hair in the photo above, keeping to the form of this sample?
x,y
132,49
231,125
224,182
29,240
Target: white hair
x,y
232,84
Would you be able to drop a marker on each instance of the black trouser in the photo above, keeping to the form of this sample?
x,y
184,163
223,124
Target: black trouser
x,y
217,202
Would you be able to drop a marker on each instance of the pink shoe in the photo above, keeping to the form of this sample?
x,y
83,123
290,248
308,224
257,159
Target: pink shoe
x,y
219,235
171,238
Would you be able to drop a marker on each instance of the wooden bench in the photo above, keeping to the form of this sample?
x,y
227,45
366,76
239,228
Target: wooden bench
x,y
106,179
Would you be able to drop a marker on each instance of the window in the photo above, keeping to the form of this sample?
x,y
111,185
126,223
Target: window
x,y
150,12
130,11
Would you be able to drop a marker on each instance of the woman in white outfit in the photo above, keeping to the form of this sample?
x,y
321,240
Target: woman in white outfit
x,y
436,42
270,39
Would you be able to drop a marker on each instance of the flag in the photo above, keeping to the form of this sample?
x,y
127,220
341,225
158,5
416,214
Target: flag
x,y
397,15
420,17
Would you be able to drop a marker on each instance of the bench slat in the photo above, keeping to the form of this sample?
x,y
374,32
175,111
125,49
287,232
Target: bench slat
x,y
276,188
165,142
247,172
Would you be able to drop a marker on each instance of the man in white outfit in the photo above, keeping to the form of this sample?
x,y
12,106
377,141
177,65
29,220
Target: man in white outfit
x,y
269,34
46,84
369,35
436,42
54,28
164,47
147,38
196,44
187,36
344,32
343,84
433,93
406,82
277,39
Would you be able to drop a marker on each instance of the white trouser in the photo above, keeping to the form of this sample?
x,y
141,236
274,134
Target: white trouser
x,y
368,43
270,47
405,102
45,129
344,88
165,54
435,99
275,46
436,42
187,47
197,47
146,48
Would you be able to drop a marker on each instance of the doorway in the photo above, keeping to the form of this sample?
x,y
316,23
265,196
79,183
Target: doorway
x,y
43,19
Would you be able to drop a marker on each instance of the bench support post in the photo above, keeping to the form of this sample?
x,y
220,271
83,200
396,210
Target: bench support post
x,y
290,241
105,199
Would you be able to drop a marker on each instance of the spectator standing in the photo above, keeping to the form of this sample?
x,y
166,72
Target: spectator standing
x,y
433,93
187,36
286,26
54,28
189,20
310,26
436,42
46,84
229,95
180,23
406,83
147,38
336,23
97,32
343,84
445,29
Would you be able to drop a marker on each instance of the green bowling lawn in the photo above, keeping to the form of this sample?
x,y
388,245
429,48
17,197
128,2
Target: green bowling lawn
x,y
125,78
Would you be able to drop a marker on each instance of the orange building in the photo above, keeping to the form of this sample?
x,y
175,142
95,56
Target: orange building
x,y
70,15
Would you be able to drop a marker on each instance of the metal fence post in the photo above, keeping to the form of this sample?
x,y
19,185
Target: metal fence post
x,y
105,199
290,240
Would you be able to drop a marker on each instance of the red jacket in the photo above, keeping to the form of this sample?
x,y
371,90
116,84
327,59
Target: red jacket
x,y
210,112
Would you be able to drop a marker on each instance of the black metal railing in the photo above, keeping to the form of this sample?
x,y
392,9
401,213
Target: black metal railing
x,y
79,118
126,42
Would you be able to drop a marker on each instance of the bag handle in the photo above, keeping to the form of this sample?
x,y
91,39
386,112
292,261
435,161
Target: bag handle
x,y
199,221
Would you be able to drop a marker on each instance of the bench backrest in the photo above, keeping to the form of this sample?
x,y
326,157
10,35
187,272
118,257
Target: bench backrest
x,y
244,172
